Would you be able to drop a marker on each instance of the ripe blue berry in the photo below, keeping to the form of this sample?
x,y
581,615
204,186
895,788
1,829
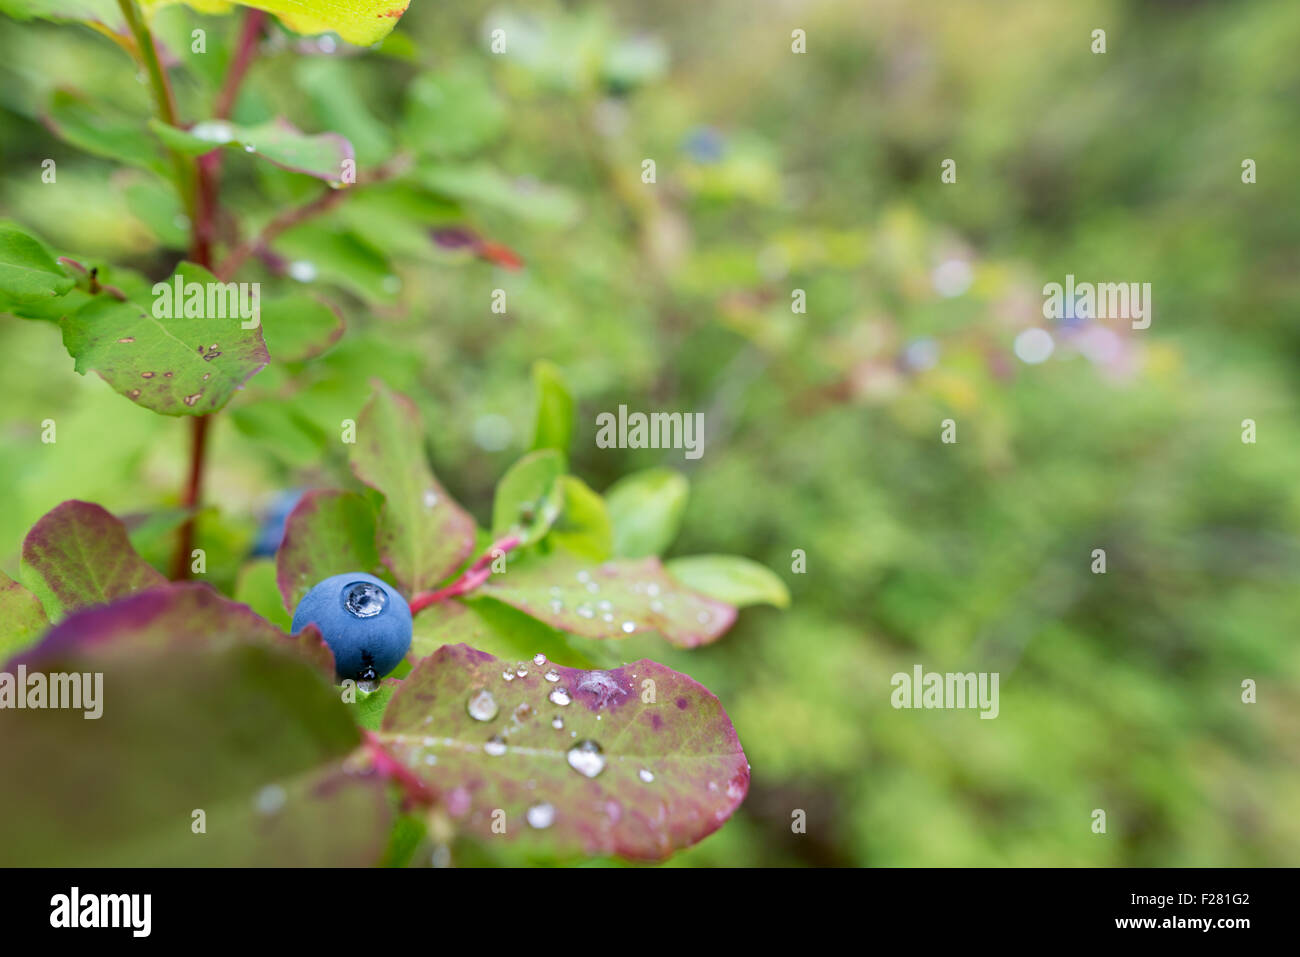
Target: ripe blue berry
x,y
366,623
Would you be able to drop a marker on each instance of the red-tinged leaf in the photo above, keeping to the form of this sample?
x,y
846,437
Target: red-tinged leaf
x,y
671,769
238,734
327,533
78,555
21,617
171,615
310,645
423,534
613,599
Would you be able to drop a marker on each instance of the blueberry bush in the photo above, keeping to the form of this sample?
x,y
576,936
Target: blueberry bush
x,y
495,710
462,259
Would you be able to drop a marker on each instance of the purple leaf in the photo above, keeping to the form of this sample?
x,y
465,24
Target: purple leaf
x,y
186,707
327,533
78,555
664,768
185,614
423,534
612,599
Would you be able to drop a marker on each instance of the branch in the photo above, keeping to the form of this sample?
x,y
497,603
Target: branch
x,y
474,576
243,59
300,214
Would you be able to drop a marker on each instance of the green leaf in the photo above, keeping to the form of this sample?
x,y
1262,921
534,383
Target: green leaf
x,y
342,258
646,508
99,129
423,534
526,198
189,365
554,425
339,101
496,628
529,496
453,113
300,327
584,527
199,710
669,770
256,587
322,155
730,578
105,12
368,709
22,620
327,533
28,273
360,22
78,555
612,600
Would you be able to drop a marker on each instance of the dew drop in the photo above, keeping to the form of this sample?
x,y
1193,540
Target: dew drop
x,y
557,606
629,627
557,723
646,775
607,617
586,758
584,576
496,746
302,270
539,659
651,589
585,611
520,670
541,816
364,599
605,605
552,675
559,696
508,675
270,799
482,706
430,498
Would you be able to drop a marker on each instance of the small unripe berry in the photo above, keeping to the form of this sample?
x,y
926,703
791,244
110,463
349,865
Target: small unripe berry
x,y
366,623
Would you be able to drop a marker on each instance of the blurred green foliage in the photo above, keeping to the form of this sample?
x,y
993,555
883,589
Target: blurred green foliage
x,y
776,172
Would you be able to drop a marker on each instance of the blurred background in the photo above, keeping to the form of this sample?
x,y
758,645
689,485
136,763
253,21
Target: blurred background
x,y
778,171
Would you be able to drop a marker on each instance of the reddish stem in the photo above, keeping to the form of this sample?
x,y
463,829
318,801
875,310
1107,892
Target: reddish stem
x,y
415,789
192,496
472,577
245,51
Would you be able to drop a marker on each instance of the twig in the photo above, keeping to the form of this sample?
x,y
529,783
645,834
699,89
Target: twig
x,y
471,578
243,59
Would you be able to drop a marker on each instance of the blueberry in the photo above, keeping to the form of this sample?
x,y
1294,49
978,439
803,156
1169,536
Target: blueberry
x,y
366,623
271,530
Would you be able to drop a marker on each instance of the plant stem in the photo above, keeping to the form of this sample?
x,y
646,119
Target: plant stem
x,y
471,578
192,497
164,100
245,50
